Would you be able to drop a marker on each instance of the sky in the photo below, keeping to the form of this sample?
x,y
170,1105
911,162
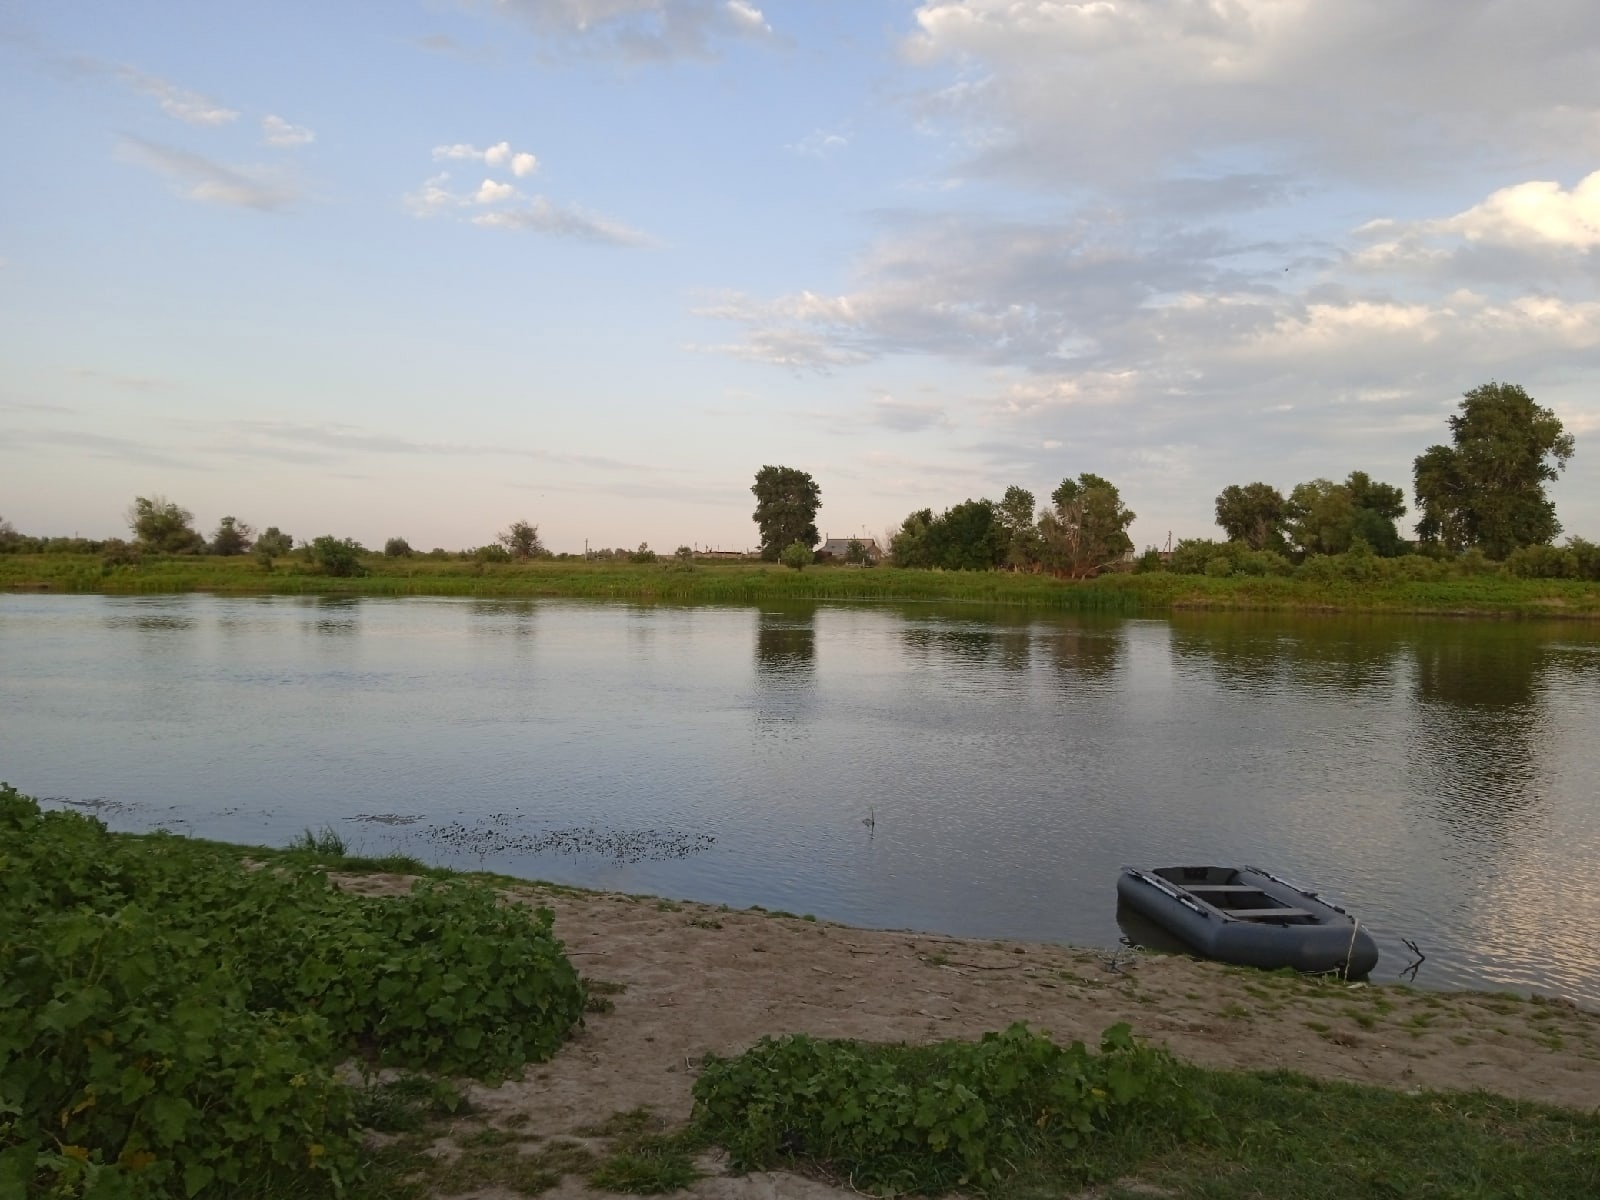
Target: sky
x,y
422,269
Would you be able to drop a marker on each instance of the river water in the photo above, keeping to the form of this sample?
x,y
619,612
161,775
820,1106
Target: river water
x,y
966,770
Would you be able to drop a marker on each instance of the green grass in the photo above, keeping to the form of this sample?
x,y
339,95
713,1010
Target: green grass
x,y
745,583
318,843
1279,1134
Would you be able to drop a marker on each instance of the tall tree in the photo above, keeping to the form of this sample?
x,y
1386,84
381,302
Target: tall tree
x,y
522,540
908,545
1319,517
1087,529
274,542
1016,515
233,536
1252,514
1487,489
163,527
1323,517
1378,506
786,509
967,537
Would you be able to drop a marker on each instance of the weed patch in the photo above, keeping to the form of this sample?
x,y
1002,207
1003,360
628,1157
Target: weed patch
x,y
170,1020
929,1118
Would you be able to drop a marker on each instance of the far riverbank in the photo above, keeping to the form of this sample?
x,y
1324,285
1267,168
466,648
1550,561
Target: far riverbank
x,y
1153,593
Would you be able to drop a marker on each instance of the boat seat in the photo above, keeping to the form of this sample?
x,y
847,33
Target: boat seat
x,y
1260,914
1220,887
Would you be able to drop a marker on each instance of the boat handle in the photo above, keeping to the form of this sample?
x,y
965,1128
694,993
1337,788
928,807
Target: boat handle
x,y
1295,887
1161,885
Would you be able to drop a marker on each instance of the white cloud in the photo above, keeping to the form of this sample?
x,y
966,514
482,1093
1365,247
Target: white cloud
x,y
1350,89
747,17
490,192
499,156
796,349
542,216
189,107
199,178
819,143
280,133
643,29
1539,218
432,198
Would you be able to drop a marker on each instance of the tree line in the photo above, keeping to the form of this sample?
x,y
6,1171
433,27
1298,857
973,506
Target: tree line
x,y
1482,495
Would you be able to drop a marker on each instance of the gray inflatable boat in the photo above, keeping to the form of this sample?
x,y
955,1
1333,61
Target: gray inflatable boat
x,y
1248,916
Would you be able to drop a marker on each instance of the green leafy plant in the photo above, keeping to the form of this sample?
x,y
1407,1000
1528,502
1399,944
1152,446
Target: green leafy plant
x,y
170,1020
930,1118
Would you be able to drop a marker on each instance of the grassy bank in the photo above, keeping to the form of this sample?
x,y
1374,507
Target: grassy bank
x,y
748,583
1013,1115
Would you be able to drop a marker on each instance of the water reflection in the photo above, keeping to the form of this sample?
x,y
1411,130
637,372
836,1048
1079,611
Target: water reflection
x,y
1084,652
1010,760
504,618
1256,655
149,614
1477,735
336,616
786,665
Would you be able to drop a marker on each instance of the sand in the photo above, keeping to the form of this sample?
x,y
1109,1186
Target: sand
x,y
698,979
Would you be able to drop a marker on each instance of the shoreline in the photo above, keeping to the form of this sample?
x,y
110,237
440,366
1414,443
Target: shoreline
x,y
1506,1088
1121,594
697,978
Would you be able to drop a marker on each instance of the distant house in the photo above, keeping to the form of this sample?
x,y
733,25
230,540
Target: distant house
x,y
838,549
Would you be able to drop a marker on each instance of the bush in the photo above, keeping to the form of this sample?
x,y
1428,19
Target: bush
x,y
397,547
170,1022
119,553
643,554
338,556
1193,556
796,555
1263,562
929,1118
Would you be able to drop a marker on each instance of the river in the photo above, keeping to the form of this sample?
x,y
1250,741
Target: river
x,y
968,770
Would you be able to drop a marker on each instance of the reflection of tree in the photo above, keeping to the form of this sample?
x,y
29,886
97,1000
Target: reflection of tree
x,y
1476,744
150,615
1004,641
786,654
1085,650
337,614
504,618
1249,654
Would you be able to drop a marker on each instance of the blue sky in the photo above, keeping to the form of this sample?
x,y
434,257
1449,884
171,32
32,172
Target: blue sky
x,y
379,269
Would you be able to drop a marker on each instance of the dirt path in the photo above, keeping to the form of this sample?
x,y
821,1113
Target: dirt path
x,y
696,978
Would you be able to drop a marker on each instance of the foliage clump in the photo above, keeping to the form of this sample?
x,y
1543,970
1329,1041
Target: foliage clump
x,y
930,1118
787,500
338,556
170,1021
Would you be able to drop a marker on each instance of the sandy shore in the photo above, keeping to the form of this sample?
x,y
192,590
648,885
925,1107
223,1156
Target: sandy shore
x,y
697,979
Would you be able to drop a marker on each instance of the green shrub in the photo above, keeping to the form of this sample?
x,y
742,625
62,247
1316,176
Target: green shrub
x,y
929,1118
1192,556
170,1020
338,556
